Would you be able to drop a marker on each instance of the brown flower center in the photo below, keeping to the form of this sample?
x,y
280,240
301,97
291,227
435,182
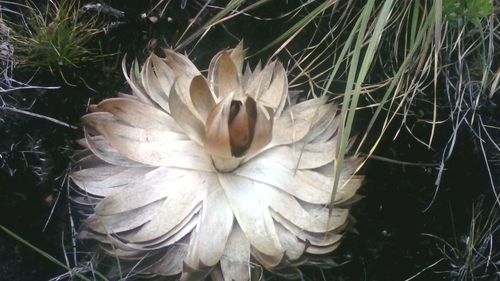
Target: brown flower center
x,y
241,123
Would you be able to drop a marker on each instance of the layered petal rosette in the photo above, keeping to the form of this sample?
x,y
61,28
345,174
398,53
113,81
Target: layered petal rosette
x,y
212,177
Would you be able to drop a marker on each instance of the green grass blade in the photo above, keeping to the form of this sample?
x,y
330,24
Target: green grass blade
x,y
356,78
290,33
48,256
421,40
229,8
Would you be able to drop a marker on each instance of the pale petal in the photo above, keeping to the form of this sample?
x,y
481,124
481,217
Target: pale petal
x,y
123,255
250,76
137,89
306,185
349,183
336,218
319,239
288,207
123,221
259,82
215,226
347,189
330,129
294,247
187,193
151,147
349,167
226,78
251,213
153,87
180,64
246,76
268,262
192,269
164,73
105,122
185,117
325,125
235,263
156,185
275,96
152,187
103,149
103,181
296,122
217,129
316,250
300,156
138,114
183,229
238,57
85,201
106,239
212,73
201,96
171,263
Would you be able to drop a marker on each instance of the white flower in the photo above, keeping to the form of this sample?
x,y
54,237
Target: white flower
x,y
212,175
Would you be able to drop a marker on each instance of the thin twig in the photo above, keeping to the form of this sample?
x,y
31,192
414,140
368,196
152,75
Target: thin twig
x,y
39,116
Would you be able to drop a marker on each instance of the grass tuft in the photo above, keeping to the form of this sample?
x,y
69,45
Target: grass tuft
x,y
56,37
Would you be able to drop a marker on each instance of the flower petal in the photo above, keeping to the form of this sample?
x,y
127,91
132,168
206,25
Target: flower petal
x,y
193,270
107,153
152,85
154,186
316,239
316,250
186,193
215,226
185,117
238,57
294,124
136,87
294,247
288,207
174,235
180,64
263,130
300,156
259,81
103,181
217,140
164,73
275,95
268,262
171,263
235,262
326,124
306,185
138,114
151,147
201,96
123,221
251,213
226,77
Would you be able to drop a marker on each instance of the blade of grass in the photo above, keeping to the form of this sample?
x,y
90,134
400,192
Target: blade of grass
x,y
48,256
296,28
196,35
396,79
356,79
